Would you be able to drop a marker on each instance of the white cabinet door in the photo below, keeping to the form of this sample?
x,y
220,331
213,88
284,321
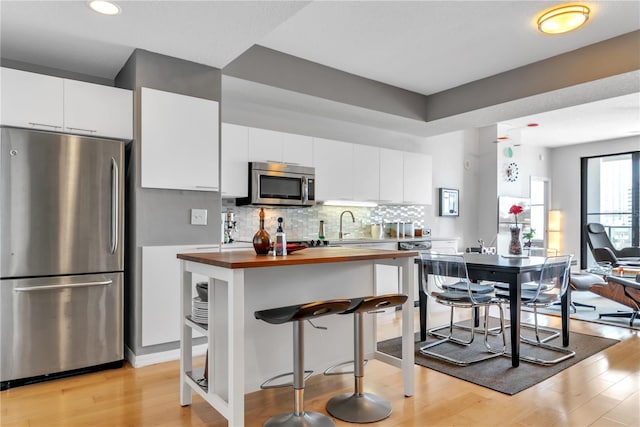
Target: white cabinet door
x,y
366,173
417,179
265,145
98,110
391,176
235,160
161,292
179,141
297,149
333,161
31,100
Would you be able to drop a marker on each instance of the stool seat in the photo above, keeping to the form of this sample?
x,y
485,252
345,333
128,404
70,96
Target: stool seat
x,y
360,407
376,302
291,313
297,314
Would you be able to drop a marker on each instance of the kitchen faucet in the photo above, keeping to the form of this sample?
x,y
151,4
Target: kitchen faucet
x,y
352,218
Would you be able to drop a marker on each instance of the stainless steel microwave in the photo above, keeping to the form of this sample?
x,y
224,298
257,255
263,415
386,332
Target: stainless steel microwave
x,y
280,184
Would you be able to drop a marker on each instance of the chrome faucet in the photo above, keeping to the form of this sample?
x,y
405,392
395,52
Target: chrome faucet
x,y
352,218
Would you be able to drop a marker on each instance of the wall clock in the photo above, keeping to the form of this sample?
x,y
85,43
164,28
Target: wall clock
x,y
511,172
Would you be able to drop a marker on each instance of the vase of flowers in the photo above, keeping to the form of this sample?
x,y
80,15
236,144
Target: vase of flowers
x,y
515,247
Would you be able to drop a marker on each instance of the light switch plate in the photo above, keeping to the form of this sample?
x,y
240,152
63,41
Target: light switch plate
x,y
198,217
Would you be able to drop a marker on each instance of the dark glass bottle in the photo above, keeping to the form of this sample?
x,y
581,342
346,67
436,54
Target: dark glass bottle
x,y
261,241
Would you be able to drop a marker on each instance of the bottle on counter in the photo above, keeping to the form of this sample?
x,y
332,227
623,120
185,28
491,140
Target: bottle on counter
x,y
321,231
261,240
280,241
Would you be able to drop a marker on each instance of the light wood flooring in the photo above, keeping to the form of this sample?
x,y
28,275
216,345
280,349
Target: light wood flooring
x,y
603,390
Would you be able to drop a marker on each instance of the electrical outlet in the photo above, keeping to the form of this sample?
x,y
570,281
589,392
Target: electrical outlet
x,y
198,217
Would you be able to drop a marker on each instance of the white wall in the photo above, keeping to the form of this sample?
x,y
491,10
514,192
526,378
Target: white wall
x,y
564,169
458,164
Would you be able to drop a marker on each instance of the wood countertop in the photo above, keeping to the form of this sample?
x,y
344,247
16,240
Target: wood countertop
x,y
249,259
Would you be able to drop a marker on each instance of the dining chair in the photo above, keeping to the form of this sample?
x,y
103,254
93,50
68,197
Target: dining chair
x,y
550,286
446,280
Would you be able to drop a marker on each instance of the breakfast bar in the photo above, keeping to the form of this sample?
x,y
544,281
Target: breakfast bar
x,y
244,352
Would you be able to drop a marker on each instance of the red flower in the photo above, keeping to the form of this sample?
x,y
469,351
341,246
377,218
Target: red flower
x,y
516,210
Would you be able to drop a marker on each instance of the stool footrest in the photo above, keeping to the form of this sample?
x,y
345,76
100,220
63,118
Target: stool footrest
x,y
330,370
267,384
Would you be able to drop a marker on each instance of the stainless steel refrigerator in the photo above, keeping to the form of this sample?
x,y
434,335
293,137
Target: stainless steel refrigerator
x,y
61,256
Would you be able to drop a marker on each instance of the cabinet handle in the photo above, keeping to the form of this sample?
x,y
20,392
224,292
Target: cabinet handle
x,y
45,125
68,285
82,130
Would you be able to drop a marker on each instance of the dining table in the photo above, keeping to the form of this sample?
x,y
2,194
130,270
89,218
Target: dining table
x,y
513,270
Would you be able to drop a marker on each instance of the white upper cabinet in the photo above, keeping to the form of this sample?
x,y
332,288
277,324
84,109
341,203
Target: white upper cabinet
x,y
280,147
179,141
333,161
297,149
97,110
31,100
265,145
417,179
235,160
391,176
366,173
44,102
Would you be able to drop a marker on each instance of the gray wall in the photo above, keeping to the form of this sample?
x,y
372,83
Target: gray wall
x,y
161,217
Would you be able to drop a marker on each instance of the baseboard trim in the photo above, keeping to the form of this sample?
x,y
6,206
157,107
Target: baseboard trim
x,y
138,361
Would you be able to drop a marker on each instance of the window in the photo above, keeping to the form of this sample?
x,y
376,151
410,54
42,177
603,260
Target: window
x,y
611,197
539,210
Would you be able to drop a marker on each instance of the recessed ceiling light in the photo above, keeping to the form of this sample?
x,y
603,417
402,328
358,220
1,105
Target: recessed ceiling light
x,y
104,7
562,19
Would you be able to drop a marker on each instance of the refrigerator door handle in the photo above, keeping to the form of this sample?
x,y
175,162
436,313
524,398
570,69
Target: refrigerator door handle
x,y
114,205
67,285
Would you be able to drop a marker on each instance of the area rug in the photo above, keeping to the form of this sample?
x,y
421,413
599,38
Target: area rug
x,y
603,305
497,373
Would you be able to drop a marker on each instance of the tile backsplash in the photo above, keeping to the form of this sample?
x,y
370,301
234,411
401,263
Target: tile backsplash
x,y
303,223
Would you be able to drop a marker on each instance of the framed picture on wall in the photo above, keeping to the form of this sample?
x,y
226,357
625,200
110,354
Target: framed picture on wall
x,y
449,202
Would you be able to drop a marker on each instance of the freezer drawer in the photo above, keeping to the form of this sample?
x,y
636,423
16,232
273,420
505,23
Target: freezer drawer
x,y
56,324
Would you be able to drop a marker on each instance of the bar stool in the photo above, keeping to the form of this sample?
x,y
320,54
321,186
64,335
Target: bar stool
x,y
297,314
360,407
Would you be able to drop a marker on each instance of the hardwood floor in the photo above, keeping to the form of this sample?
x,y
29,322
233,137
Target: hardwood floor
x,y
603,390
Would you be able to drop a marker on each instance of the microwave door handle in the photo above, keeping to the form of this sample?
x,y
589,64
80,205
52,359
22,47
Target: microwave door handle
x,y
305,190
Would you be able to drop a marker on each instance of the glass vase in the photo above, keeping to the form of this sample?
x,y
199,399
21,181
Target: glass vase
x,y
515,246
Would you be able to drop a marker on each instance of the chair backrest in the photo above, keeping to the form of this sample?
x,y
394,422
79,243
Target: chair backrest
x,y
597,237
554,276
441,271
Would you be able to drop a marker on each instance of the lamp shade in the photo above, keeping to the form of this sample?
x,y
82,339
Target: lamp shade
x,y
563,19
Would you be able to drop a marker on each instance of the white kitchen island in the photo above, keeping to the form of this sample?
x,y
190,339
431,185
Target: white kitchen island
x,y
244,352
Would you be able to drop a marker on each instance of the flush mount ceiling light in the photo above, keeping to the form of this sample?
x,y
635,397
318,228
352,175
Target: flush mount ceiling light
x,y
104,7
563,19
